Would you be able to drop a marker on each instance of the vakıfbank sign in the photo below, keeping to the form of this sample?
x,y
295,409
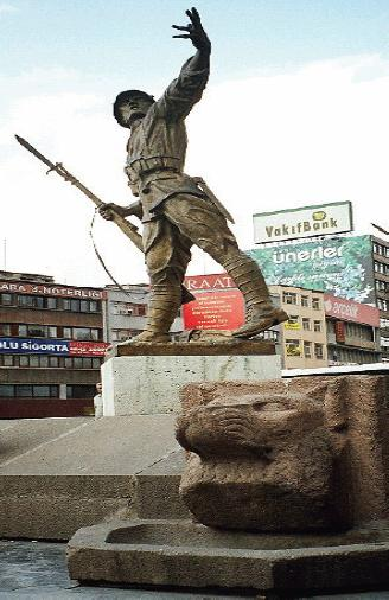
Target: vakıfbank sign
x,y
341,267
308,221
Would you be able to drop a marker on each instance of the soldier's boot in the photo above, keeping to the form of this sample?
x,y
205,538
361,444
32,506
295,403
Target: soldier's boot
x,y
161,312
261,314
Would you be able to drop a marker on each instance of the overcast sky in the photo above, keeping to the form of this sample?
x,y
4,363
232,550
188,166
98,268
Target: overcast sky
x,y
295,113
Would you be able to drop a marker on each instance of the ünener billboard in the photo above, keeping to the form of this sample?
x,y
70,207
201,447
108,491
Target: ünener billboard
x,y
308,221
342,267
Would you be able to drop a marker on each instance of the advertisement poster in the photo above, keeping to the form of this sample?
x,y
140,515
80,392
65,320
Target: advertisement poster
x,y
342,267
223,311
293,350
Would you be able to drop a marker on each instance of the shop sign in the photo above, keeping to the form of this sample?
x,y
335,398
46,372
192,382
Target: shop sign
x,y
349,310
12,345
52,290
220,281
292,326
308,221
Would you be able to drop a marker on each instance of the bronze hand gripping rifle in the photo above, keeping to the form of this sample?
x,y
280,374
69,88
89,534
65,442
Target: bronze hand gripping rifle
x,y
129,229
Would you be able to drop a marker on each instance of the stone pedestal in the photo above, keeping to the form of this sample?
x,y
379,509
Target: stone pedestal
x,y
146,378
348,455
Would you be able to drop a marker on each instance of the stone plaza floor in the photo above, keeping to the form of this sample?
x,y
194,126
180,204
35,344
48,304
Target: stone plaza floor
x,y
37,570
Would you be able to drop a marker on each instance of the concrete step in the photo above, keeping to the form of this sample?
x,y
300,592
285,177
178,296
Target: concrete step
x,y
59,475
157,489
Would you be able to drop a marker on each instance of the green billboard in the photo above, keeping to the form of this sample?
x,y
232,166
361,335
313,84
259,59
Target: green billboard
x,y
339,266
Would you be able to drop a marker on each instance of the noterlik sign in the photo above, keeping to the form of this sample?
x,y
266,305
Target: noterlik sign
x,y
308,221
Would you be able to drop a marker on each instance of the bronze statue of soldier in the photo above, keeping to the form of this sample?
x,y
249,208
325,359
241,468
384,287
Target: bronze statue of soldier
x,y
176,209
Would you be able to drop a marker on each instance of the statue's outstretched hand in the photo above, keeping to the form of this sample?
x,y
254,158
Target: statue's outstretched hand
x,y
109,209
194,31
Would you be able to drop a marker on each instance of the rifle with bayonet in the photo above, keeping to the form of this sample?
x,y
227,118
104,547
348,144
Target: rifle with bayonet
x,y
129,229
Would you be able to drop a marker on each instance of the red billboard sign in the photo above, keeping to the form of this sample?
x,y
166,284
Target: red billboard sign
x,y
223,311
52,290
349,310
340,330
221,281
87,348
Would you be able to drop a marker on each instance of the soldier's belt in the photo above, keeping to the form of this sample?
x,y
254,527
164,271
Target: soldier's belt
x,y
143,166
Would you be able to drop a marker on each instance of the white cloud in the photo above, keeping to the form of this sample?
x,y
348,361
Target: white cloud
x,y
8,9
263,143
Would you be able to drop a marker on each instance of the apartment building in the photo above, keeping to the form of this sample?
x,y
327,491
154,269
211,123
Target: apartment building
x,y
302,338
51,346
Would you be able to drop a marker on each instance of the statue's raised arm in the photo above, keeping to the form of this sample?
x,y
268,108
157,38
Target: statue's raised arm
x,y
188,88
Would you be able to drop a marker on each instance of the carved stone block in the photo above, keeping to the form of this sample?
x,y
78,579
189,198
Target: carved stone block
x,y
288,456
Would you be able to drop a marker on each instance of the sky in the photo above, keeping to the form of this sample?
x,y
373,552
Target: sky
x,y
296,112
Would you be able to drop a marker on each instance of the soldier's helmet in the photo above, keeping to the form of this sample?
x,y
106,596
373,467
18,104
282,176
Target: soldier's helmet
x,y
123,97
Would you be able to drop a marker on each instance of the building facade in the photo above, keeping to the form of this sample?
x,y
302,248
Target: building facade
x,y
350,267
124,313
51,346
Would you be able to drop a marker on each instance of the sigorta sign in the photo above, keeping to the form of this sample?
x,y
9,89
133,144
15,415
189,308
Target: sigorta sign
x,y
308,221
10,345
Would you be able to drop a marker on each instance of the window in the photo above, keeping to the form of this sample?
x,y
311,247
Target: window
x,y
304,301
78,364
316,325
271,335
80,391
293,319
306,324
96,362
319,351
84,306
43,362
6,299
308,349
316,303
25,301
53,361
5,329
8,360
67,363
23,361
81,333
43,331
383,304
34,361
23,391
75,305
289,298
52,303
293,347
93,306
6,390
